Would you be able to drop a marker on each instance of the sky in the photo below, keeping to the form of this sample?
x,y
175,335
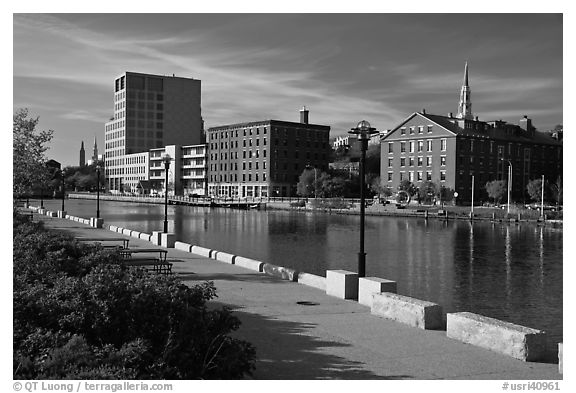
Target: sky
x,y
343,67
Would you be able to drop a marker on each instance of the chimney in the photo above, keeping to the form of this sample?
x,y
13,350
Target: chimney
x,y
450,115
476,118
304,115
423,111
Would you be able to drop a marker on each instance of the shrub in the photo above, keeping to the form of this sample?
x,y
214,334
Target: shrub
x,y
78,314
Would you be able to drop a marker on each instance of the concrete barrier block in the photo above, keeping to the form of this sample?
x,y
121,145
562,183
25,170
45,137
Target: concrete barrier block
x,y
414,312
145,236
560,356
517,341
249,263
225,257
126,232
368,286
135,234
61,214
68,216
96,222
280,272
182,246
312,280
167,240
202,251
113,228
52,214
342,284
155,238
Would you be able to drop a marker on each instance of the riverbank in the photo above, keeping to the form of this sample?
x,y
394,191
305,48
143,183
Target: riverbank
x,y
302,333
352,208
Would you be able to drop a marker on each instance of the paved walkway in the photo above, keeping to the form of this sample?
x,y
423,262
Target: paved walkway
x,y
335,339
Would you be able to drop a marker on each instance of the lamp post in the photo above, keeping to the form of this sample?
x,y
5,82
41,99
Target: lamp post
x,y
315,179
166,160
363,131
63,189
509,182
98,191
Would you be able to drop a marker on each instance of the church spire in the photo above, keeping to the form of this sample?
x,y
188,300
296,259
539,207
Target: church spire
x,y
95,151
82,155
465,104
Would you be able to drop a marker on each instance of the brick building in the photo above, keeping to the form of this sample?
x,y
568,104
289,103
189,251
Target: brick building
x,y
448,150
264,158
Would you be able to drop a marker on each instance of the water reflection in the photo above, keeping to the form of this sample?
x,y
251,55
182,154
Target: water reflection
x,y
508,272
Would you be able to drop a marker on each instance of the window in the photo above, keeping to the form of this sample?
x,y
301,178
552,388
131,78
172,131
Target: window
x,y
429,161
443,144
420,129
491,147
390,174
419,176
412,132
402,161
402,147
442,160
403,131
442,175
429,176
471,144
390,147
420,159
411,176
420,145
411,161
429,129
411,146
390,161
401,176
429,145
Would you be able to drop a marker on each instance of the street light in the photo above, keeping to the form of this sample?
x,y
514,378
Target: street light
x,y
63,189
363,131
509,182
166,160
315,179
98,191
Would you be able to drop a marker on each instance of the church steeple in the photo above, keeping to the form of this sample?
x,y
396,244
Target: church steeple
x,y
82,155
465,104
95,151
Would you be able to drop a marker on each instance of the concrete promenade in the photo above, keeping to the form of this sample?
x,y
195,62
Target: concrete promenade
x,y
330,338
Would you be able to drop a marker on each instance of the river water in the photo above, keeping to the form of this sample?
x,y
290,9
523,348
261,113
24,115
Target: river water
x,y
509,272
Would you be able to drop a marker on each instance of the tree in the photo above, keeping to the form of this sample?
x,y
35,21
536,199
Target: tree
x,y
306,186
445,194
331,186
373,160
496,190
557,190
406,185
28,159
427,191
534,188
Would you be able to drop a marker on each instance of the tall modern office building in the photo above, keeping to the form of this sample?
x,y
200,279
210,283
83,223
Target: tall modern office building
x,y
150,111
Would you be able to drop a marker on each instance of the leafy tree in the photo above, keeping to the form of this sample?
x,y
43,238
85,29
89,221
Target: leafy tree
x,y
445,194
496,189
534,188
28,159
427,191
556,190
373,160
408,186
331,186
306,186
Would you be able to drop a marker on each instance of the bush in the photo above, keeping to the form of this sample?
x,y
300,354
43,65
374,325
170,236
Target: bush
x,y
78,314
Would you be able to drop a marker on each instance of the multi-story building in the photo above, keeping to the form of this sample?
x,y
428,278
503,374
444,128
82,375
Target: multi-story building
x,y
264,158
452,150
145,172
150,111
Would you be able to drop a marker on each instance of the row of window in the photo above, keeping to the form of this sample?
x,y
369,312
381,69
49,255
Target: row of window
x,y
416,176
114,126
419,160
234,177
413,129
419,145
234,133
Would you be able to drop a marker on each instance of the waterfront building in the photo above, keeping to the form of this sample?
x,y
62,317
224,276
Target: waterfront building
x,y
449,150
82,160
264,158
145,173
150,111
